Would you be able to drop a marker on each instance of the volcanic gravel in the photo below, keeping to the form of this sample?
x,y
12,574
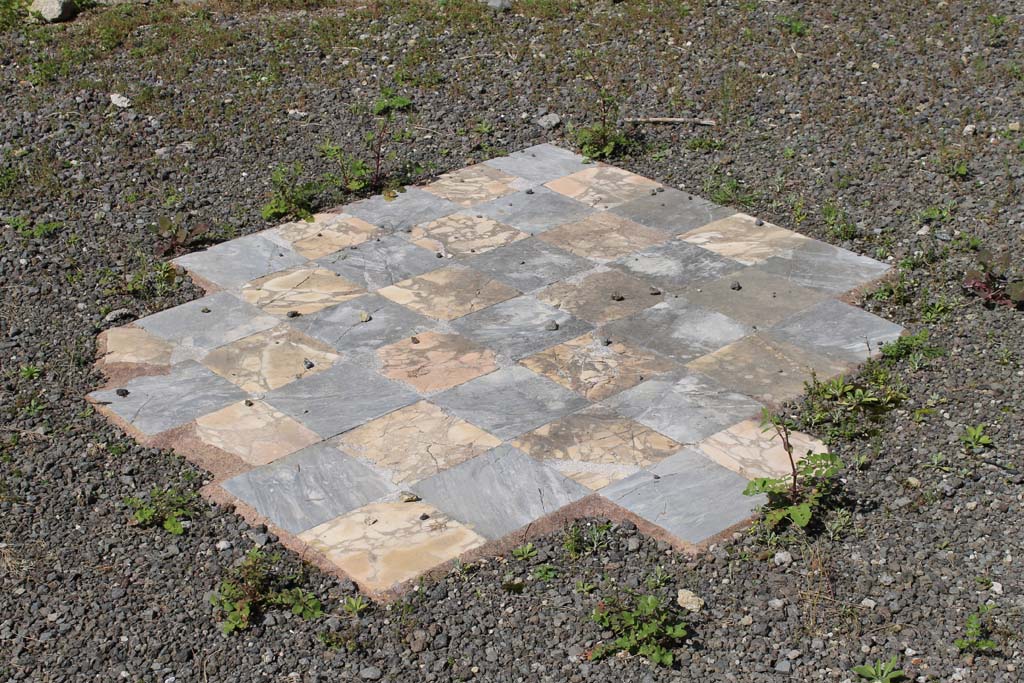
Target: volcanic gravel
x,y
844,120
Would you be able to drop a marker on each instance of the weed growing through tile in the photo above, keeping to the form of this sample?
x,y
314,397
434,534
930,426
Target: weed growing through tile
x,y
647,628
255,586
167,508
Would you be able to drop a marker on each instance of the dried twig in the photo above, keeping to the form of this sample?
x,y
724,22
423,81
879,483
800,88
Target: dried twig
x,y
672,119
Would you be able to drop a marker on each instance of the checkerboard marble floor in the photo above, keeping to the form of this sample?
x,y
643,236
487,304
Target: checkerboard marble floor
x,y
403,381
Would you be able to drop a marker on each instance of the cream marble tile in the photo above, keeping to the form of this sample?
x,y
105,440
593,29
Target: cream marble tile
x,y
472,185
464,234
270,359
328,233
432,361
603,187
748,450
136,346
304,290
448,293
740,238
603,237
254,431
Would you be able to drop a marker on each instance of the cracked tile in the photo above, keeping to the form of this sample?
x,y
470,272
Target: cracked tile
x,y
597,370
761,300
771,371
603,187
253,431
464,234
233,263
361,325
499,492
603,237
687,408
672,210
535,210
308,487
271,359
449,293
529,264
540,164
750,451
416,442
596,446
326,234
305,290
676,265
157,403
740,238
340,398
687,495
678,330
510,401
601,296
837,330
433,361
401,211
380,262
472,185
381,545
519,327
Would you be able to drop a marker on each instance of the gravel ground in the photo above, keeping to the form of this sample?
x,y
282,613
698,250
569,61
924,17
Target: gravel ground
x,y
892,128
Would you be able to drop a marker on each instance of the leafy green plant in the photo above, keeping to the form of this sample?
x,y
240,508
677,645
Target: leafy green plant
x,y
837,222
38,230
993,281
910,344
657,579
524,552
584,587
300,601
30,372
977,635
355,605
975,439
256,585
811,481
648,629
544,573
173,235
166,508
12,13
601,141
881,672
292,196
794,25
353,173
150,279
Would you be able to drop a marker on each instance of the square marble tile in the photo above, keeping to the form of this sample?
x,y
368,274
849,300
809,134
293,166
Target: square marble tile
x,y
340,398
464,234
499,492
596,446
677,329
601,296
825,268
449,293
303,290
134,345
596,369
752,452
309,487
677,265
198,326
603,187
687,495
416,442
508,402
535,210
671,210
233,263
529,264
433,361
382,545
740,238
362,325
771,371
540,164
156,403
472,185
520,326
255,432
270,359
381,262
403,210
837,330
326,234
687,408
761,300
603,237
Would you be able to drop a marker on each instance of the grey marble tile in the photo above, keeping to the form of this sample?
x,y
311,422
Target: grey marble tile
x,y
340,398
499,492
686,408
687,495
231,264
837,330
678,329
156,403
540,164
676,265
409,208
520,327
383,262
826,268
672,210
346,327
509,402
309,487
199,326
539,210
529,264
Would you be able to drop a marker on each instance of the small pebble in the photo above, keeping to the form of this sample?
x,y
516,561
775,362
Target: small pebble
x,y
552,326
292,314
122,392
735,286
